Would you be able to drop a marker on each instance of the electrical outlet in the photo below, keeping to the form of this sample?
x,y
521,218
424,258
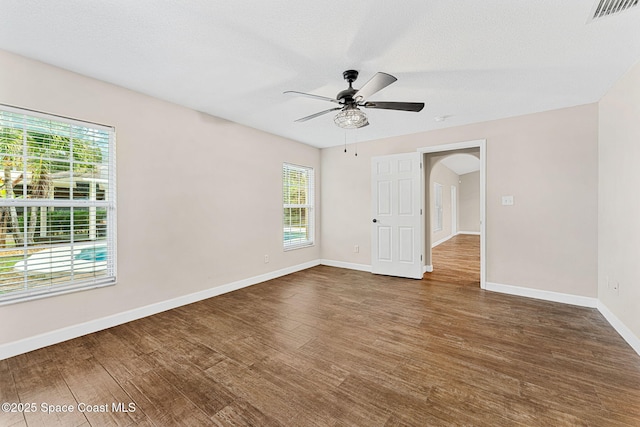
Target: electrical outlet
x,y
613,286
356,249
266,259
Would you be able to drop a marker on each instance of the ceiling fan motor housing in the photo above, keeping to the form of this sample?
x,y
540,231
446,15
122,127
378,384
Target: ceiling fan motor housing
x,y
346,96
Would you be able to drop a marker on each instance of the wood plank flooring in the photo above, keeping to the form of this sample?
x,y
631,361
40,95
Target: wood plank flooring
x,y
334,347
457,261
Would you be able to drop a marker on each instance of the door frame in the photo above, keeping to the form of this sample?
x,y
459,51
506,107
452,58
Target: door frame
x,y
481,144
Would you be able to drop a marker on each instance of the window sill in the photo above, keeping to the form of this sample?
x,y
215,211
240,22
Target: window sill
x,y
300,246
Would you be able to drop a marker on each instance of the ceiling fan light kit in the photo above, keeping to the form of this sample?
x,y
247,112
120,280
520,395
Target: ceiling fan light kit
x,y
350,116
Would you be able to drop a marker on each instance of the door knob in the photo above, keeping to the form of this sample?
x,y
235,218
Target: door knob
x,y
375,220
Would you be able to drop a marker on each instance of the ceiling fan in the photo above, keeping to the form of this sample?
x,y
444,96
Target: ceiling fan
x,y
349,101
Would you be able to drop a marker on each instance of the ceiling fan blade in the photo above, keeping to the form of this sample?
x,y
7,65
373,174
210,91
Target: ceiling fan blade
x,y
401,106
310,95
313,116
378,82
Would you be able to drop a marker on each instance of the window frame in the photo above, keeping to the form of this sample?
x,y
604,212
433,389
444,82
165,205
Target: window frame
x,y
292,244
108,204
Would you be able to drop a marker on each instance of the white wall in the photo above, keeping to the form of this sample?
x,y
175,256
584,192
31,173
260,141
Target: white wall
x,y
199,198
619,201
469,197
547,161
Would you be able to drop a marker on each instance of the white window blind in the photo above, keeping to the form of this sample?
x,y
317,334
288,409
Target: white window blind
x,y
298,198
437,196
57,205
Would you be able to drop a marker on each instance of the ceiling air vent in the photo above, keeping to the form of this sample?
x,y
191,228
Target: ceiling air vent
x,y
610,7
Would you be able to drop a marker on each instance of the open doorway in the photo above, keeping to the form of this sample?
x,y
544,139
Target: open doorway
x,y
455,253
454,205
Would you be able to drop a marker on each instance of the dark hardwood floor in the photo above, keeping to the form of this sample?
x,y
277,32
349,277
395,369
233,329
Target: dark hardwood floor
x,y
334,347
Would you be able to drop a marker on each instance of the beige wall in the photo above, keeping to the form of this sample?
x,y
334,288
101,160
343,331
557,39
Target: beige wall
x,y
547,161
199,198
445,177
619,200
469,206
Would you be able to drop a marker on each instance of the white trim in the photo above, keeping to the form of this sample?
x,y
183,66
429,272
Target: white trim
x,y
428,269
49,338
578,300
543,295
483,213
620,327
441,241
79,287
451,236
347,265
481,144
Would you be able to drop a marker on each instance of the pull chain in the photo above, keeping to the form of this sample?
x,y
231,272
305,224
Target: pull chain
x,y
356,138
355,143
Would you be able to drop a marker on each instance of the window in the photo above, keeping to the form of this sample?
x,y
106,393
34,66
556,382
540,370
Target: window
x,y
437,214
297,195
57,205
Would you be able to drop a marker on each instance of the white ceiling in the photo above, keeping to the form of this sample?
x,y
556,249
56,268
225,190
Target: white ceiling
x,y
469,61
462,163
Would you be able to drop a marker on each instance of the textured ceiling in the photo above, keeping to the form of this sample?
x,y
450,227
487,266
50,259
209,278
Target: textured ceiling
x,y
468,61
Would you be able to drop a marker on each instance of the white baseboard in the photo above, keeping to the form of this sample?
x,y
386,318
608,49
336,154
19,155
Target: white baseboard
x,y
620,327
451,236
543,295
441,241
347,265
616,323
39,341
428,269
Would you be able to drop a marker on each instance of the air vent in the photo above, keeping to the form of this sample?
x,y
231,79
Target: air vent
x,y
610,7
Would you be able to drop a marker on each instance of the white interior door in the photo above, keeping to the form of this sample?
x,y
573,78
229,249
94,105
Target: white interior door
x,y
396,228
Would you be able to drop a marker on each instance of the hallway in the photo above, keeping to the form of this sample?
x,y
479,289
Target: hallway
x,y
457,261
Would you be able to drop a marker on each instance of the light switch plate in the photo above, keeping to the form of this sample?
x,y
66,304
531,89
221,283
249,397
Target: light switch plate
x,y
507,200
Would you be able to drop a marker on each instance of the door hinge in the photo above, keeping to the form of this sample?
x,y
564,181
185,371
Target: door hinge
x,y
420,211
420,257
